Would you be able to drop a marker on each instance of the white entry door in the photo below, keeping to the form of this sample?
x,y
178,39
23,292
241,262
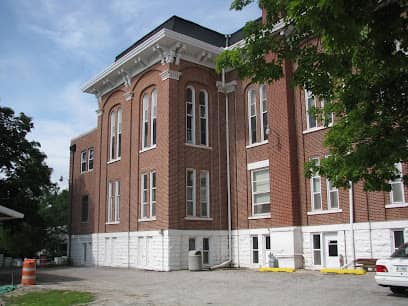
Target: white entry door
x,y
144,245
331,252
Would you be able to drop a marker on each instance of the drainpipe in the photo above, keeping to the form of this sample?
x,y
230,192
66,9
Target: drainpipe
x,y
351,213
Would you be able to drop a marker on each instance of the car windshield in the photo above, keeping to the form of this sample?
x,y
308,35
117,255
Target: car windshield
x,y
402,251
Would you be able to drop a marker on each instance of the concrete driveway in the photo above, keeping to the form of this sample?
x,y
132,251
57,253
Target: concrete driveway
x,y
223,287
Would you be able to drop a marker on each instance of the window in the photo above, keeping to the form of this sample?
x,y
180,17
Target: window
x,y
112,136
154,115
90,159
252,116
84,247
397,187
264,112
333,250
311,120
317,251
84,209
83,161
153,194
398,238
190,115
267,242
332,196
204,193
203,117
206,251
330,118
191,244
119,134
255,250
145,120
315,186
144,195
260,192
110,202
190,192
117,201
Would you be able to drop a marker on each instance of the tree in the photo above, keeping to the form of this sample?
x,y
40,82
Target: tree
x,y
24,178
353,55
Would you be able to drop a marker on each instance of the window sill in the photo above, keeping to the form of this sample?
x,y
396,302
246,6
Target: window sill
x,y
113,161
257,144
396,205
191,218
260,216
307,131
147,219
324,212
147,149
198,146
112,222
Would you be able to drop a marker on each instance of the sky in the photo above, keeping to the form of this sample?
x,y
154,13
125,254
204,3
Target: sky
x,y
49,48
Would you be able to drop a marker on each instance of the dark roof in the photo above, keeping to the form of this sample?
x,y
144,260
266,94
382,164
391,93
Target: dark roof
x,y
191,29
185,27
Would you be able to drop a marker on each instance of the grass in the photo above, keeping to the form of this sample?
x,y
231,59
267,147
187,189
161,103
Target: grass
x,y
51,298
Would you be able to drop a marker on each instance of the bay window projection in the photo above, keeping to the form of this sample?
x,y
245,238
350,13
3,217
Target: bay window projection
x,y
252,116
204,194
203,99
153,117
264,112
190,115
119,134
145,121
90,159
311,120
190,193
112,136
83,161
397,187
315,188
332,195
260,192
153,194
144,202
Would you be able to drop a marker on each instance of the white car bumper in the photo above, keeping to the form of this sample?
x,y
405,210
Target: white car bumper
x,y
398,281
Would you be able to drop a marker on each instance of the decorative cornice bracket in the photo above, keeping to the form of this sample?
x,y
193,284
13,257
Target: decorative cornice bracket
x,y
227,87
170,74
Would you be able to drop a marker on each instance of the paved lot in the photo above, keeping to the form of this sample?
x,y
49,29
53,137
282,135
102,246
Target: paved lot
x,y
222,287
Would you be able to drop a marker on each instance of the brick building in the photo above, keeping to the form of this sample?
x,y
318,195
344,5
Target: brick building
x,y
184,158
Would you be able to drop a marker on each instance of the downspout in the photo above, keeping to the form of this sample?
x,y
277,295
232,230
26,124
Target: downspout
x,y
351,213
72,149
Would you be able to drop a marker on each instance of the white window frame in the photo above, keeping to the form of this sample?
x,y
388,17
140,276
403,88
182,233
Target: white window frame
x,y
206,201
397,181
112,135
312,191
153,189
117,201
320,250
205,117
253,193
255,250
153,119
264,110
110,202
145,120
310,116
192,116
83,161
119,134
143,196
193,192
206,251
251,102
394,246
91,157
194,242
332,189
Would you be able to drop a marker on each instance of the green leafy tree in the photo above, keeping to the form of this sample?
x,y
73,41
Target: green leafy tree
x,y
24,178
353,54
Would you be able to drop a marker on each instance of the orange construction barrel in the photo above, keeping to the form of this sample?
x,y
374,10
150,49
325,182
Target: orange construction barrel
x,y
43,261
28,276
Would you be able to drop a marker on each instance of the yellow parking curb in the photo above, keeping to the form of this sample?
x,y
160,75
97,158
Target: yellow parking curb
x,y
266,269
344,271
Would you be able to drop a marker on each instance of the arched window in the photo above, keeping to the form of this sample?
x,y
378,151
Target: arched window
x,y
145,120
153,117
203,99
190,115
112,135
119,134
252,116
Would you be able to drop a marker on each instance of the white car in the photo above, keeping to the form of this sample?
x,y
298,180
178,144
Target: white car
x,y
393,272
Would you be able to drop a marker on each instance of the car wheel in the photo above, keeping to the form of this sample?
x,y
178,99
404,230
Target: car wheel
x,y
397,290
